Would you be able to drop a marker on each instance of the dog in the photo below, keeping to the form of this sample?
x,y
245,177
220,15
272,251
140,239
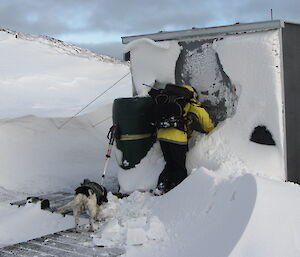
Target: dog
x,y
88,197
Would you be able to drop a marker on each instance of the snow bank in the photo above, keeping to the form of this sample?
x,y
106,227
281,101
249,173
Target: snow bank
x,y
46,77
273,229
37,156
213,213
20,224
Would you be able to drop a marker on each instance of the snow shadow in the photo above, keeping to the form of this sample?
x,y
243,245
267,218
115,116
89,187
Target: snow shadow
x,y
212,215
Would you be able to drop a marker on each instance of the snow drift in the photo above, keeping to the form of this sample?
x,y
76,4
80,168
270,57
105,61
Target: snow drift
x,y
211,213
41,79
46,77
19,224
37,156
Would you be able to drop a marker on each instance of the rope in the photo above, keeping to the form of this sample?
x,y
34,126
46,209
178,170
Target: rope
x,y
67,121
98,123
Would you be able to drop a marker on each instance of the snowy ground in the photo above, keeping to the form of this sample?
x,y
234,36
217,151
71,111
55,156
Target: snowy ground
x,y
219,210
42,83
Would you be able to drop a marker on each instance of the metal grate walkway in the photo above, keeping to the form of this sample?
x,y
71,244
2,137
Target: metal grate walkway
x,y
66,243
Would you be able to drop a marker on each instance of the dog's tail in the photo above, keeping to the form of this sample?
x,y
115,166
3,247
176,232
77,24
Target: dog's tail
x,y
69,206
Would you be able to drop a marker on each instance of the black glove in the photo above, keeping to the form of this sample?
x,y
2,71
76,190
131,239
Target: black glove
x,y
154,92
194,123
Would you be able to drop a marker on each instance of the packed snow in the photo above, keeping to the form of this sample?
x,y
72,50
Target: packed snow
x,y
20,224
233,203
129,222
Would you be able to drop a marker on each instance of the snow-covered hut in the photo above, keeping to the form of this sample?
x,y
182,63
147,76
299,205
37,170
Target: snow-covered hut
x,y
247,73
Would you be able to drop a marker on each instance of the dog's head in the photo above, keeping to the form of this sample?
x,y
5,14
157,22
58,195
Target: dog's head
x,y
104,196
85,181
100,192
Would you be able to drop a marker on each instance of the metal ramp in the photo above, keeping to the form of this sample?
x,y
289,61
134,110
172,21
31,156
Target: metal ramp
x,y
66,243
50,202
61,244
56,200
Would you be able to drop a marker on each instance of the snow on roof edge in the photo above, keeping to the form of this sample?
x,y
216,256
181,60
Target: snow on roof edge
x,y
227,29
133,44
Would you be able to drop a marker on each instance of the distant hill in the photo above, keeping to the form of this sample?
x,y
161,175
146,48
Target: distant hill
x,y
46,77
64,46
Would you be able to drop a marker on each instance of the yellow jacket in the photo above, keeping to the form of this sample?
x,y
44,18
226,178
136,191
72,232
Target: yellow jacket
x,y
181,137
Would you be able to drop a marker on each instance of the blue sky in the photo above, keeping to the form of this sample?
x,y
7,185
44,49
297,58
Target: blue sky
x,y
100,24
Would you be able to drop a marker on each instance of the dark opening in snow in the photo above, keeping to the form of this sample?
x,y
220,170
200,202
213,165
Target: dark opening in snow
x,y
262,135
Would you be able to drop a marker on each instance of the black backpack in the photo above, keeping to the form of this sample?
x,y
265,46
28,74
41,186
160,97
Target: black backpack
x,y
169,103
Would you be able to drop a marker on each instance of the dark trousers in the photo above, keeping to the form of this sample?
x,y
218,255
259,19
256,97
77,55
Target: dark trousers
x,y
175,171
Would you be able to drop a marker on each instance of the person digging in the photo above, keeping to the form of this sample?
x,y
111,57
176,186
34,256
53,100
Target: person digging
x,y
177,112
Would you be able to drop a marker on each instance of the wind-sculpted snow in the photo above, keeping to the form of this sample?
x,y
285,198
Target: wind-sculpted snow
x,y
33,223
208,214
201,211
49,78
273,229
211,214
39,156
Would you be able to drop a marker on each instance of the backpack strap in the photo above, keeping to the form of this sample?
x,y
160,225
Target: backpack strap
x,y
169,104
